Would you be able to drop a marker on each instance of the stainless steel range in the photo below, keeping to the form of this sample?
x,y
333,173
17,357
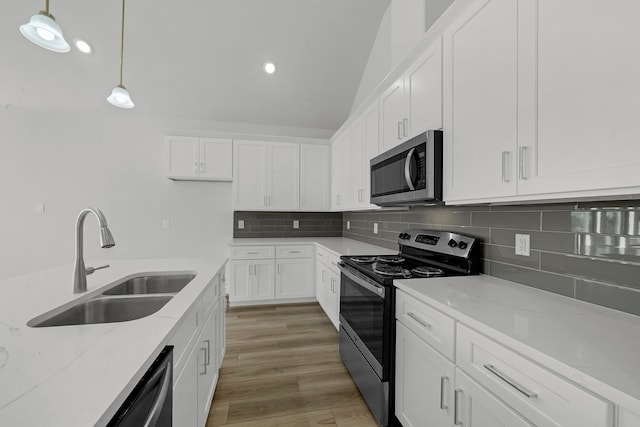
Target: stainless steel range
x,y
367,305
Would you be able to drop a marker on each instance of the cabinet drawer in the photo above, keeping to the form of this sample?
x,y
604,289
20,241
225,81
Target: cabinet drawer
x,y
541,396
329,259
294,251
185,336
434,327
252,252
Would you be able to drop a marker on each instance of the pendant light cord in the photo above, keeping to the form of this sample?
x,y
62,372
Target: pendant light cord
x,y
121,43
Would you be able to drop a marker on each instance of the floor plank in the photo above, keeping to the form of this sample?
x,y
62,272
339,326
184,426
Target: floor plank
x,y
282,368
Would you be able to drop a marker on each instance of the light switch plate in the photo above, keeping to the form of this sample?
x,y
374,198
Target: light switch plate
x,y
241,224
375,228
522,244
296,223
166,224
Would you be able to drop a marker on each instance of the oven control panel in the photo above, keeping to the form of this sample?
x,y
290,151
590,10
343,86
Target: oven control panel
x,y
438,241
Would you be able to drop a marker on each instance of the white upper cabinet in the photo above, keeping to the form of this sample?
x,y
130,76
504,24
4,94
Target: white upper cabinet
x,y
340,171
250,175
413,103
364,146
314,177
480,102
540,103
198,159
283,171
280,176
336,174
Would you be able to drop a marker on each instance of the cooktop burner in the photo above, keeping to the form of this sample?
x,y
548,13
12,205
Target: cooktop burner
x,y
363,259
425,271
390,270
390,259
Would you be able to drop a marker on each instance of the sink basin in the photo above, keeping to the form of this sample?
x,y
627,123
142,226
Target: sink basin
x,y
157,284
103,310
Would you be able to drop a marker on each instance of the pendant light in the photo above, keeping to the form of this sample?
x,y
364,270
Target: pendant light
x,y
119,95
43,30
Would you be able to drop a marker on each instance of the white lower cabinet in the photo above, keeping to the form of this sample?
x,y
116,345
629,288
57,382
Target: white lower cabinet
x,y
271,274
198,359
476,407
424,382
328,285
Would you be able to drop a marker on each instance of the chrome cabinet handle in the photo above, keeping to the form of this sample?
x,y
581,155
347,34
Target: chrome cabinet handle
x,y
523,163
208,352
405,126
522,389
419,320
442,381
278,269
253,253
399,130
204,365
201,167
407,169
158,404
456,407
197,169
322,279
505,166
268,200
294,252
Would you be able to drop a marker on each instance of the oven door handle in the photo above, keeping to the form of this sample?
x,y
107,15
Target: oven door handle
x,y
376,289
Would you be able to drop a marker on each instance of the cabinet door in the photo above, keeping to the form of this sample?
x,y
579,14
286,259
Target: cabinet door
x,y
185,393
424,382
222,322
423,91
372,147
250,175
207,367
181,157
333,297
358,159
345,149
336,175
392,116
321,284
263,280
479,408
284,176
216,159
480,102
578,95
242,276
294,278
314,177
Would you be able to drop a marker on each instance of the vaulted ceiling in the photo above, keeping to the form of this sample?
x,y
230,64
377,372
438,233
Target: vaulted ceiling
x,y
199,59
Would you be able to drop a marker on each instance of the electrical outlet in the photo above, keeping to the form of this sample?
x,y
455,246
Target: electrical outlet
x,y
296,223
166,224
40,208
348,225
375,228
522,244
240,224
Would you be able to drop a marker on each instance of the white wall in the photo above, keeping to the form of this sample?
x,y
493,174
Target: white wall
x,y
113,160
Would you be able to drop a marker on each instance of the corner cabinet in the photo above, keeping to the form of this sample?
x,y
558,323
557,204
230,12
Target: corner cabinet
x,y
198,159
533,110
268,176
198,353
328,284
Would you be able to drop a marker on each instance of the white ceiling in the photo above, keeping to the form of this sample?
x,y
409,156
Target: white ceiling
x,y
198,59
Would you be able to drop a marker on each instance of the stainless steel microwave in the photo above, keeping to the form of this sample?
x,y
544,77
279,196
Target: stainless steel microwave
x,y
410,173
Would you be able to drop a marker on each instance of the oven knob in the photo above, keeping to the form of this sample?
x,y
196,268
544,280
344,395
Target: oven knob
x,y
462,245
452,243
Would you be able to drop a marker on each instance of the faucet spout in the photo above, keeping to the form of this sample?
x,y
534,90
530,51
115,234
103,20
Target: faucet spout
x,y
106,241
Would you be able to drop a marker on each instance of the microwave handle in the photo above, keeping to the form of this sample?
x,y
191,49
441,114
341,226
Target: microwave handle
x,y
407,169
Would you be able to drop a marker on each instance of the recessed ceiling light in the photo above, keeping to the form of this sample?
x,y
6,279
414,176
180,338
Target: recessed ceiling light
x,y
82,46
269,67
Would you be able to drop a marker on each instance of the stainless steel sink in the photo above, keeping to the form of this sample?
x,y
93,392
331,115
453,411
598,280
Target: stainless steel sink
x,y
103,310
156,284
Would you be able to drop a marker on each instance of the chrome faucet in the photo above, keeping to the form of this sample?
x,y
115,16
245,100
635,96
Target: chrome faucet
x,y
106,241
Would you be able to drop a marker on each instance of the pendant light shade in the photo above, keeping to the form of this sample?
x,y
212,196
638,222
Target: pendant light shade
x,y
43,30
119,95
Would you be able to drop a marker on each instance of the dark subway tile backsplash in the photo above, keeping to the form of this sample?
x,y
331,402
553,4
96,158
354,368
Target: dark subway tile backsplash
x,y
280,224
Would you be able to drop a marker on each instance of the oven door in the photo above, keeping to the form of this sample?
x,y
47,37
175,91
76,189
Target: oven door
x,y
366,316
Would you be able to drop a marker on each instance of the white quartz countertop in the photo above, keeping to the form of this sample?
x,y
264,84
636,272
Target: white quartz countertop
x,y
338,245
593,346
79,375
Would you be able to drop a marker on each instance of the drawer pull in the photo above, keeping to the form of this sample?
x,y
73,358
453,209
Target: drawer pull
x,y
294,252
442,381
456,407
419,320
510,381
253,253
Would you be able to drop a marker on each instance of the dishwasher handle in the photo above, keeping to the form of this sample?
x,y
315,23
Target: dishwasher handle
x,y
158,404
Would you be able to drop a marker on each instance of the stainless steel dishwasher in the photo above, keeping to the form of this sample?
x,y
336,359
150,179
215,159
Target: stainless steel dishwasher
x,y
150,403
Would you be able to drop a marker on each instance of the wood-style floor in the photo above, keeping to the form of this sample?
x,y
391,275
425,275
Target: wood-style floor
x,y
282,368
